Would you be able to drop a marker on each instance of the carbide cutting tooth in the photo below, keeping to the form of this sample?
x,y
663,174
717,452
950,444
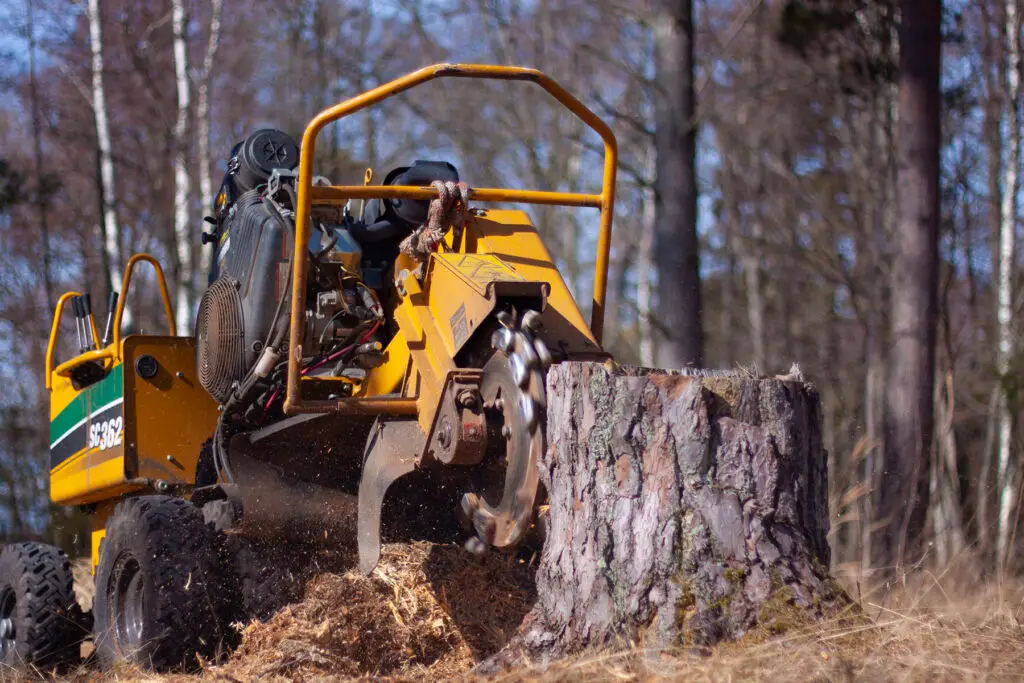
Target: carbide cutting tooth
x,y
531,321
520,372
524,349
543,353
505,318
502,339
527,411
470,502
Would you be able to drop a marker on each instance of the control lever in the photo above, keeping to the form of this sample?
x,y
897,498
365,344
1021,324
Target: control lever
x,y
108,329
93,339
79,309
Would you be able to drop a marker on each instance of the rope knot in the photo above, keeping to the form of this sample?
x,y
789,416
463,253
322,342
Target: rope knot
x,y
449,208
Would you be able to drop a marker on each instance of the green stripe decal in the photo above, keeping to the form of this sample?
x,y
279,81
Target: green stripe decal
x,y
108,389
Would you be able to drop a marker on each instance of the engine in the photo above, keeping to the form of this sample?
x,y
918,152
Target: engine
x,y
243,317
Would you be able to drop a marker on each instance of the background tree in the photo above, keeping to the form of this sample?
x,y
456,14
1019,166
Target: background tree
x,y
678,310
909,415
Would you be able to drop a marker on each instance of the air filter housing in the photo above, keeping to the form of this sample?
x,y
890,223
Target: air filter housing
x,y
250,278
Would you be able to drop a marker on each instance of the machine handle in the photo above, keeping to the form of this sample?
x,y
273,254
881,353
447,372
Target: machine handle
x,y
115,308
128,269
51,344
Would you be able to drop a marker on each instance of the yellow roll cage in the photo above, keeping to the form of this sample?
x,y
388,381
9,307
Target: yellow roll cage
x,y
294,402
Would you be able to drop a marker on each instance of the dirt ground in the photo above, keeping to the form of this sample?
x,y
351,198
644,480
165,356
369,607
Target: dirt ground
x,y
432,612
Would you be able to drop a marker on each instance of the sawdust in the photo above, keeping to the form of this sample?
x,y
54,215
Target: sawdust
x,y
81,572
428,612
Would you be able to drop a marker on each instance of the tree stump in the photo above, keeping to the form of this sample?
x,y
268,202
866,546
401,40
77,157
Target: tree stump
x,y
684,509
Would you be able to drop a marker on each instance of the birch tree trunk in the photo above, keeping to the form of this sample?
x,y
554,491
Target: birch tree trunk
x,y
203,123
994,48
1004,307
182,178
947,518
109,227
683,510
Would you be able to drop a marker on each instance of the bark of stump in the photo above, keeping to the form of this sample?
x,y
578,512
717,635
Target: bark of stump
x,y
684,510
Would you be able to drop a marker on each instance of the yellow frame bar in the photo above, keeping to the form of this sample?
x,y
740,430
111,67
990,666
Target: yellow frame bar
x,y
51,345
122,300
306,193
339,194
113,350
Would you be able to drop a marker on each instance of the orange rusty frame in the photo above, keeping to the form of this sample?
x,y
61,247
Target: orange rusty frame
x,y
294,402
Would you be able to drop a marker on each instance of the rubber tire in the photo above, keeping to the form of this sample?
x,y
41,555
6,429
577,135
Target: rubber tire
x,y
183,612
257,578
48,620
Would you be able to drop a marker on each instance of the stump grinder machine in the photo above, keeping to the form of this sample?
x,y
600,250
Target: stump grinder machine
x,y
349,337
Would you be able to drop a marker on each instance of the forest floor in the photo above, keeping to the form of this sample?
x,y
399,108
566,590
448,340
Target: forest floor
x,y
431,612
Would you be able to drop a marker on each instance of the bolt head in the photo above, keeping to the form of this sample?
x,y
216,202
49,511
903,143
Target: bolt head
x,y
444,435
466,398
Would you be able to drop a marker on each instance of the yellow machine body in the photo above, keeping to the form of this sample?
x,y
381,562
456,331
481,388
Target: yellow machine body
x,y
125,431
140,427
500,254
139,430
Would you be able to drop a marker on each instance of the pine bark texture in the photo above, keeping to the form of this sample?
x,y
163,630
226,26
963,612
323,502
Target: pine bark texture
x,y
684,510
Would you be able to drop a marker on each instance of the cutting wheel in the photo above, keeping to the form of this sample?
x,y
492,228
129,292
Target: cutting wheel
x,y
501,505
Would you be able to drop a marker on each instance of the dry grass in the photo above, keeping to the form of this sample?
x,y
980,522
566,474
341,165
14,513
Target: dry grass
x,y
917,634
431,613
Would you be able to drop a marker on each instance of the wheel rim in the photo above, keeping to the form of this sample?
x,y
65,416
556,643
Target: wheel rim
x,y
8,632
126,601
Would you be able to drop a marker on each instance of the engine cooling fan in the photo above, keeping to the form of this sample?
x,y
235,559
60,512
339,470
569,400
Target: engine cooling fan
x,y
221,359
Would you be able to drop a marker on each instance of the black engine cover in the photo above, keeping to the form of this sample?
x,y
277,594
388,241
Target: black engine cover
x,y
236,312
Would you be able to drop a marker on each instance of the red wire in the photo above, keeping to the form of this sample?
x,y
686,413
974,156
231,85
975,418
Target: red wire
x,y
370,333
321,363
